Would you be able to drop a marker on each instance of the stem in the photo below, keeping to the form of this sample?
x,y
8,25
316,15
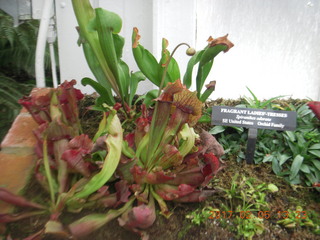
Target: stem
x,y
156,109
47,170
167,65
163,206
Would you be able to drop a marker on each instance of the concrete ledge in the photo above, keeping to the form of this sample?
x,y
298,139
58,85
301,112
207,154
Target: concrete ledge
x,y
20,133
17,157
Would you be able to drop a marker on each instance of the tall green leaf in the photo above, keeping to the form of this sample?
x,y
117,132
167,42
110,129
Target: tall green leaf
x,y
295,167
146,62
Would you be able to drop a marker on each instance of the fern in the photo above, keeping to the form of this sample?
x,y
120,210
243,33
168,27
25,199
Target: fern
x,y
10,92
18,46
6,30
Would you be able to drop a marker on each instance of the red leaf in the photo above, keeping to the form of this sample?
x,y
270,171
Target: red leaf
x,y
156,177
213,161
171,192
316,185
79,147
140,217
38,104
122,192
16,200
196,196
130,139
315,107
68,98
74,158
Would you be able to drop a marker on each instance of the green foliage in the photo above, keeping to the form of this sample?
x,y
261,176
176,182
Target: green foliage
x,y
245,194
167,70
249,227
254,102
299,218
103,46
200,216
98,35
10,92
18,46
294,155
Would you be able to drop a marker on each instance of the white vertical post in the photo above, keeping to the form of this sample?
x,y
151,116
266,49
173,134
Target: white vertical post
x,y
41,43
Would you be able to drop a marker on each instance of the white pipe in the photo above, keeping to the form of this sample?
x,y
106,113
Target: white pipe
x,y
53,66
51,38
41,43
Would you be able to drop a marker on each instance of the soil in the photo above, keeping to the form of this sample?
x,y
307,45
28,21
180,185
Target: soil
x,y
179,226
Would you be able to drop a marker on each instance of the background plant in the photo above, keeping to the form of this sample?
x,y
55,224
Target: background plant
x,y
18,47
204,59
293,155
64,166
299,218
10,92
17,66
102,45
98,31
240,205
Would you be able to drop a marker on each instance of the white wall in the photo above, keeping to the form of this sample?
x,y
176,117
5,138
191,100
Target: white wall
x,y
277,50
72,61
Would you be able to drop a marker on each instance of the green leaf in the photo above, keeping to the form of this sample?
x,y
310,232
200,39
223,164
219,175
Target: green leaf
x,y
90,39
315,152
110,19
106,23
126,150
305,168
217,129
205,64
316,163
295,180
95,66
255,102
276,166
187,78
311,177
295,167
150,96
89,223
205,119
124,78
114,146
268,158
238,129
272,187
135,79
173,71
291,136
283,158
206,94
315,146
104,93
188,136
146,62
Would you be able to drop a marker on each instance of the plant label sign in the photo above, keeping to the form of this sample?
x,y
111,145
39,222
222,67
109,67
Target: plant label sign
x,y
254,119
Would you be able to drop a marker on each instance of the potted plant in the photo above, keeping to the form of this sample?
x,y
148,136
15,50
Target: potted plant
x,y
152,156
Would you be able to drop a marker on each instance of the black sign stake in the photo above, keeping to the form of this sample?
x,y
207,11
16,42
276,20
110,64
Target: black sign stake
x,y
251,144
254,119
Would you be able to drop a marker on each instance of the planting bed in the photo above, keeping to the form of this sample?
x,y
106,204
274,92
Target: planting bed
x,y
191,221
